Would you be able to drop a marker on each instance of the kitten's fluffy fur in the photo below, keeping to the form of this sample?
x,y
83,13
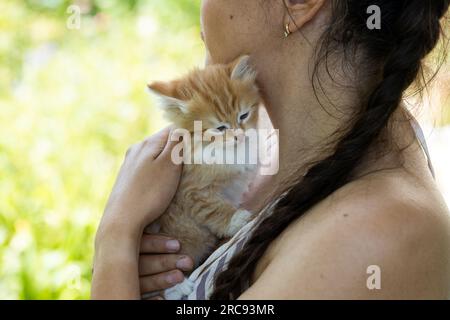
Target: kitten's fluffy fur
x,y
205,207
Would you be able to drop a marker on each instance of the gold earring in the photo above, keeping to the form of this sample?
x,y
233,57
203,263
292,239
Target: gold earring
x,y
287,30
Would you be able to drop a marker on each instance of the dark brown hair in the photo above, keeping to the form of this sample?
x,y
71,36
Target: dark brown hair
x,y
410,30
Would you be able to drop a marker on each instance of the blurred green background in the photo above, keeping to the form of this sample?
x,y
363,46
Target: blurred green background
x,y
71,102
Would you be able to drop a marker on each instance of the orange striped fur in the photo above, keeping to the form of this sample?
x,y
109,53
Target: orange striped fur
x,y
205,207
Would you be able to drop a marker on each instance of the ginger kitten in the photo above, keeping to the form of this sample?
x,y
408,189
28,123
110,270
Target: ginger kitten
x,y
205,207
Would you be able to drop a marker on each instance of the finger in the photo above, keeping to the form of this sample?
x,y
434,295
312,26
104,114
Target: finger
x,y
160,281
174,138
151,243
156,295
155,144
153,264
131,150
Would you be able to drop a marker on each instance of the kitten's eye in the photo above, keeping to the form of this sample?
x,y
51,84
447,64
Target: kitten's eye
x,y
222,128
244,116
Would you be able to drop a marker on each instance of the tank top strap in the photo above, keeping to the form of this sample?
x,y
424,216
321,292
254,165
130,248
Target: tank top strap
x,y
422,141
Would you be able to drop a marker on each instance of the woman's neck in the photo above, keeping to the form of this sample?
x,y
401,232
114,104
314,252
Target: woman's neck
x,y
307,126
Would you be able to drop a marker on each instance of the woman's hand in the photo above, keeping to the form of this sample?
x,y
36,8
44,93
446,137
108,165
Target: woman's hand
x,y
147,182
159,265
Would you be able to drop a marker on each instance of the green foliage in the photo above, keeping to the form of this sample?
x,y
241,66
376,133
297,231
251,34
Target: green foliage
x,y
71,102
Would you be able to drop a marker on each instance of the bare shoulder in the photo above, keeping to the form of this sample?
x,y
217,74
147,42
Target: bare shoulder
x,y
391,208
386,237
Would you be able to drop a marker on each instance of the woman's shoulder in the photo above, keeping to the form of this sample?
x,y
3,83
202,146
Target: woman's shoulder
x,y
389,201
388,221
394,200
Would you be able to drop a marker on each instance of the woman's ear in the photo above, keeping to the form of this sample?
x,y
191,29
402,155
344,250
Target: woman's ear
x,y
300,12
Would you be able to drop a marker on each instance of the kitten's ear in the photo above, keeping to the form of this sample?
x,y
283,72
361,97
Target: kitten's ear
x,y
168,99
241,69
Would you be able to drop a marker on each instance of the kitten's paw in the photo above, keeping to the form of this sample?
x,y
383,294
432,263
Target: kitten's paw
x,y
239,219
179,291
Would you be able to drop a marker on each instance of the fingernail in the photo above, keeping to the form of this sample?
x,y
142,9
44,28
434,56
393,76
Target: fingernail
x,y
174,278
173,245
184,263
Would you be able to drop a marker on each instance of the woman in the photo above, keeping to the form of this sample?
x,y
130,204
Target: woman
x,y
357,214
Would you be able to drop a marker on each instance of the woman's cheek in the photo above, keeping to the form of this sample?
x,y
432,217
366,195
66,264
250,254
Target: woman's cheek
x,y
210,28
217,31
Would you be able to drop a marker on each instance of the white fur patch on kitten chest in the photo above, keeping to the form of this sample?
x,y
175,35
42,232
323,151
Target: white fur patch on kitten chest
x,y
235,189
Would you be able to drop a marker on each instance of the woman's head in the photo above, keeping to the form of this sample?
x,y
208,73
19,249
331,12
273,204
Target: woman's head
x,y
338,33
233,27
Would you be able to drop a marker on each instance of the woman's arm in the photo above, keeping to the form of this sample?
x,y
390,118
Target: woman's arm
x,y
143,190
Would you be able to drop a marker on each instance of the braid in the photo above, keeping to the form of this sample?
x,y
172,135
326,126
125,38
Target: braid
x,y
414,34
